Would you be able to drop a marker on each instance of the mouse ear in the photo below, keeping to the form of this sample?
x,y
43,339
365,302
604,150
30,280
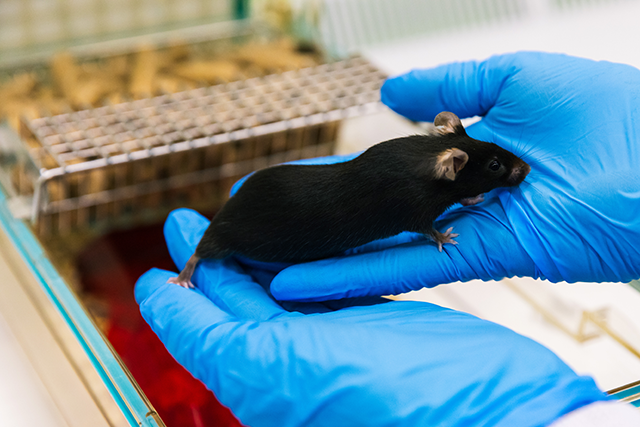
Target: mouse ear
x,y
447,122
449,163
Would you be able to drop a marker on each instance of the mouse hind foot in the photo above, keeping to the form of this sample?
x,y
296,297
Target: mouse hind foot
x,y
180,281
442,238
184,278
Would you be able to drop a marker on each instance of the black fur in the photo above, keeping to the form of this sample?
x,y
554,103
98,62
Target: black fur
x,y
297,213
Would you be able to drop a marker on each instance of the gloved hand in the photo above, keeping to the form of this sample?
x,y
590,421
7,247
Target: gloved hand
x,y
394,364
575,218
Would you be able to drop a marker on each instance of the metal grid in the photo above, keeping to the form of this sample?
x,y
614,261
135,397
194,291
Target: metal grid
x,y
117,161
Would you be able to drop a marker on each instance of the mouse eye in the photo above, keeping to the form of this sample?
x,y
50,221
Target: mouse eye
x,y
494,165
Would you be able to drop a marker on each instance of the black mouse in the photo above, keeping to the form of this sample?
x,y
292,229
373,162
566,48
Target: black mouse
x,y
300,213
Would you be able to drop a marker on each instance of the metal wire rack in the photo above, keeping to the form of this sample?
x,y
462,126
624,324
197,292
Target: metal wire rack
x,y
120,163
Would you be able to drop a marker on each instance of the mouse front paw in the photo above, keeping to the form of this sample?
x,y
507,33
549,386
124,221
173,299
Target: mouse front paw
x,y
442,238
470,201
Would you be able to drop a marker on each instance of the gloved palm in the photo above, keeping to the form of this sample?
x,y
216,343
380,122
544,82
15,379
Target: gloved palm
x,y
575,218
388,364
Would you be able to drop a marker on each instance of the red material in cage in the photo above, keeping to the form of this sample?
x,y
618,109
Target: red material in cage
x,y
109,269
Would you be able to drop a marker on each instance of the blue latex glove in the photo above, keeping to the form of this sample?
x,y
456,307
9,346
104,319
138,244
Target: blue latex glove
x,y
394,364
575,218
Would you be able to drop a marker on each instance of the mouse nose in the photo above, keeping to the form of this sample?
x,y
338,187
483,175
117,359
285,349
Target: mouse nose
x,y
518,174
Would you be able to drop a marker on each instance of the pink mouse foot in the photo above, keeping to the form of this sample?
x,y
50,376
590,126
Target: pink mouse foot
x,y
184,283
442,238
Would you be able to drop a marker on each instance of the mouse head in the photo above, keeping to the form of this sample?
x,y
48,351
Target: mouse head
x,y
476,165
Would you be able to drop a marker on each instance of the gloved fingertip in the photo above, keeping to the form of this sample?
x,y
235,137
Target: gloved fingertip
x,y
300,282
183,230
281,288
180,218
390,92
149,282
235,187
414,94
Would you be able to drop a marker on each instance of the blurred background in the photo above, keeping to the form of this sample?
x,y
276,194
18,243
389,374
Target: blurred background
x,y
113,113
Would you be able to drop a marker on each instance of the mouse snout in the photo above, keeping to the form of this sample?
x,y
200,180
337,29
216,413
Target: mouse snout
x,y
518,174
